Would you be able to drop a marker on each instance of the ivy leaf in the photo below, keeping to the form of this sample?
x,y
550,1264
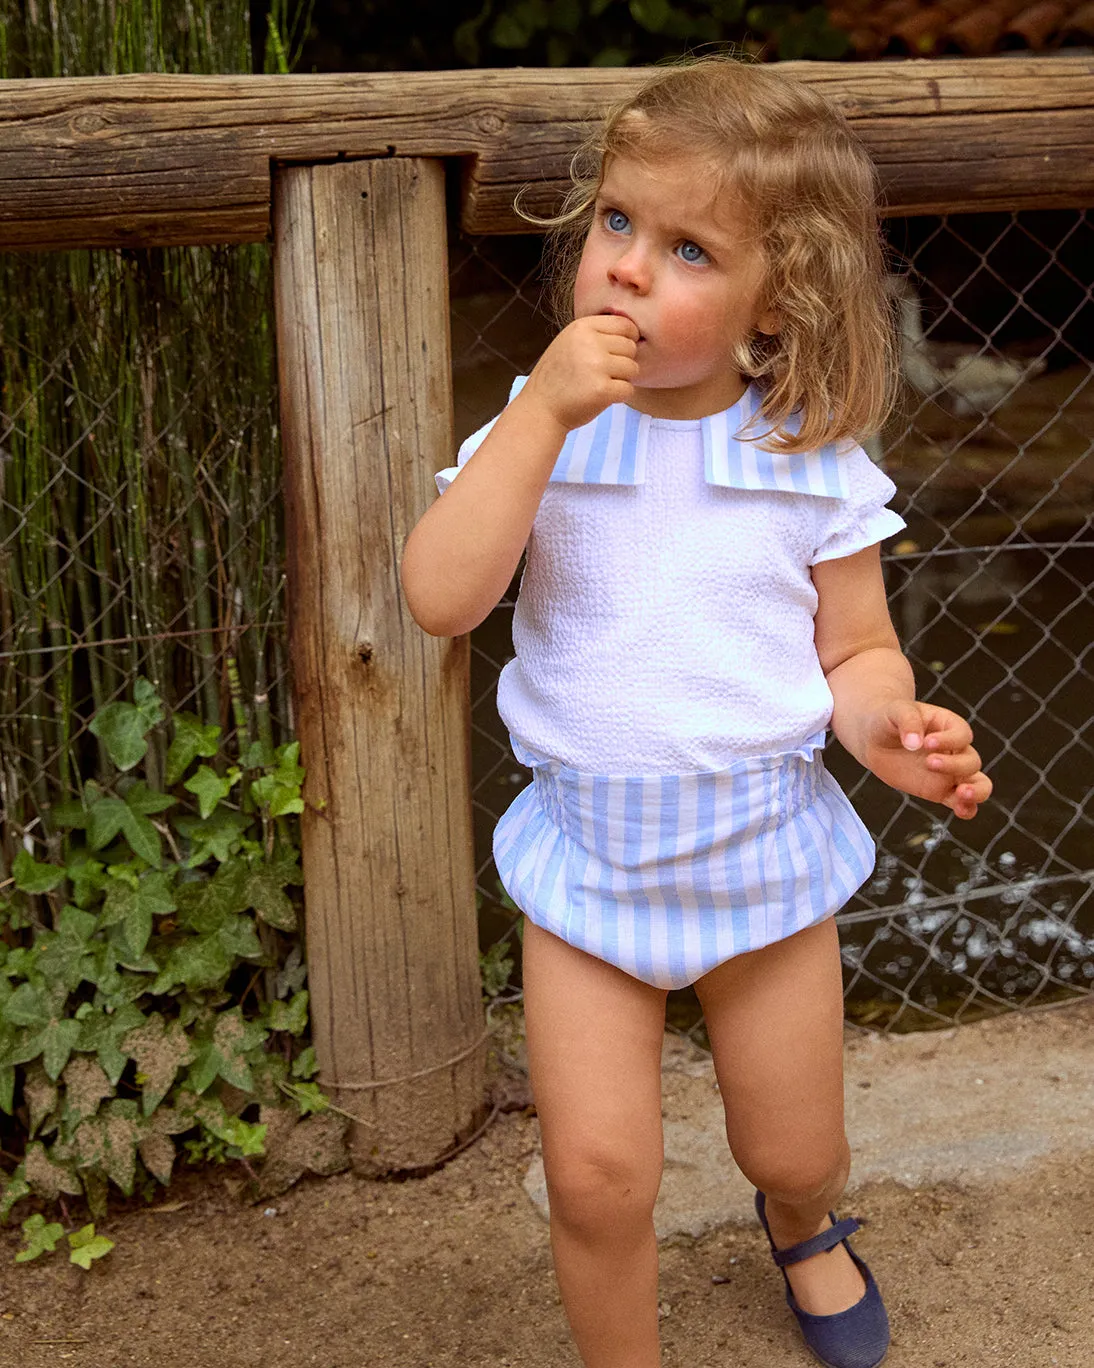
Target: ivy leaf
x,y
199,962
32,877
86,1085
143,800
224,1053
239,938
58,1042
87,1246
48,1177
108,1141
153,895
246,1136
205,904
305,1065
63,955
309,1097
264,892
41,1237
160,1049
7,1088
75,924
105,819
143,838
209,788
15,1189
148,702
135,908
157,1152
122,727
218,838
280,791
87,876
289,1016
102,1033
40,1094
192,738
27,1006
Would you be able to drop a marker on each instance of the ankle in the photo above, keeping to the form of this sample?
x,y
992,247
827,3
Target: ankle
x,y
791,1224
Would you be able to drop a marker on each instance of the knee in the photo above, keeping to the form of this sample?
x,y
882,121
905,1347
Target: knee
x,y
797,1178
595,1190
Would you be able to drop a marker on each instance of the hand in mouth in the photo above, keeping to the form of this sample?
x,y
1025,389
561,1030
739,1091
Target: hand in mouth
x,y
619,313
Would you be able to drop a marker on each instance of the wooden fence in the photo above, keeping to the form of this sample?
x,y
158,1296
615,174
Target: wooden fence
x,y
352,172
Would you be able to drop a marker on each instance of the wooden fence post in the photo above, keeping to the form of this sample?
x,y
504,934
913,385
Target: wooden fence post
x,y
381,708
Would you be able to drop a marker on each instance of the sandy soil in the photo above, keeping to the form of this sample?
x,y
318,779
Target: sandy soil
x,y
454,1271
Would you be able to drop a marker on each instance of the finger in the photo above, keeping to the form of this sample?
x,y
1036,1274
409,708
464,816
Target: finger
x,y
946,731
907,719
615,323
966,798
962,765
624,368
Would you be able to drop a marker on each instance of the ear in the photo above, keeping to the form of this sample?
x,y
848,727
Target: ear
x,y
768,322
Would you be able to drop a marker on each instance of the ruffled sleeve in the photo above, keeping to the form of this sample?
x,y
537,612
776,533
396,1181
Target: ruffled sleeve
x,y
850,524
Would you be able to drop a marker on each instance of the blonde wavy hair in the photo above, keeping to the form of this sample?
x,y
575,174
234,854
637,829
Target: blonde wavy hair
x,y
809,191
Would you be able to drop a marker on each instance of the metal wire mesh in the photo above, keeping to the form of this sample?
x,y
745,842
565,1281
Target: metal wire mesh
x,y
139,507
992,450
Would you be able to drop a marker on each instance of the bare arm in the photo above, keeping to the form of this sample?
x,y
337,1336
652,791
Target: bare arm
x,y
915,747
463,551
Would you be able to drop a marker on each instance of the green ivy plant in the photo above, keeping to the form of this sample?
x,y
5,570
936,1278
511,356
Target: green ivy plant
x,y
151,986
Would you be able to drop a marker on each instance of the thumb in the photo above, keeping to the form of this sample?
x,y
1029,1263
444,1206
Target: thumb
x,y
907,720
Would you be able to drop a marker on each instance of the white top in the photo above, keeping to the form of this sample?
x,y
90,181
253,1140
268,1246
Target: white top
x,y
665,616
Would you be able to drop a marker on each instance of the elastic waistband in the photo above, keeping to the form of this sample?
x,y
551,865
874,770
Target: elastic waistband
x,y
749,796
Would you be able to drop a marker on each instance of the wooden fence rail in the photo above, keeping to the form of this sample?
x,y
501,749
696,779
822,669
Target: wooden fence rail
x,y
161,160
352,169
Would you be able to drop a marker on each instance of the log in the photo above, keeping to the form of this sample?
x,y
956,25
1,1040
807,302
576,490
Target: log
x,y
149,160
361,295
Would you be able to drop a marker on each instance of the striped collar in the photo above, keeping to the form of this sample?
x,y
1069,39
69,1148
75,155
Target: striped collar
x,y
612,450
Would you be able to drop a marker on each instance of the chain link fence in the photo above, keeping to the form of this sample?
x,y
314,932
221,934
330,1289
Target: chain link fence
x,y
992,450
140,535
140,510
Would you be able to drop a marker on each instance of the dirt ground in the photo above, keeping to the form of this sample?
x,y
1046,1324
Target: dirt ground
x,y
454,1271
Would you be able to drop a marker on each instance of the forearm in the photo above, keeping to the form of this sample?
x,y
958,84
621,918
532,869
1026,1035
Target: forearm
x,y
461,555
861,685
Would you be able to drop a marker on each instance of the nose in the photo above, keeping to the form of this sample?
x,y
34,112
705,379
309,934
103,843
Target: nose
x,y
631,268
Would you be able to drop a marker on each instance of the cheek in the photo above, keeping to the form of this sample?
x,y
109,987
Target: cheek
x,y
585,282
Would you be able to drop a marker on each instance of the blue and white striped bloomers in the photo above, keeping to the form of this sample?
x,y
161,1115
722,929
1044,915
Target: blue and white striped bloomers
x,y
668,875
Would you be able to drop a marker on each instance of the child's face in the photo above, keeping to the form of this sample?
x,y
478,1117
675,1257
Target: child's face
x,y
679,263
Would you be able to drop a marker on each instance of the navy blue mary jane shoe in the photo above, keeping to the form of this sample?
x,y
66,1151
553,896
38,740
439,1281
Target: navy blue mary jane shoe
x,y
855,1338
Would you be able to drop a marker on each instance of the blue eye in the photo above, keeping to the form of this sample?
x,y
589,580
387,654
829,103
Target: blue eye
x,y
617,221
691,252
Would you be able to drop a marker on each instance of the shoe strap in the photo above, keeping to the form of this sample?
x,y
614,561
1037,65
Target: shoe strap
x,y
827,1239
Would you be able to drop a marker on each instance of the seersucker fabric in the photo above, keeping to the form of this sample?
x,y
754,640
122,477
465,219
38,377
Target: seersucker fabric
x,y
666,692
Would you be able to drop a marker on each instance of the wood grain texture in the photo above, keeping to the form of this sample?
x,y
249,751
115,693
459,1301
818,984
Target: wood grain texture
x,y
382,709
141,160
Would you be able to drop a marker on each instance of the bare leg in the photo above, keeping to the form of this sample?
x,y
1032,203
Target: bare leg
x,y
775,1020
594,1051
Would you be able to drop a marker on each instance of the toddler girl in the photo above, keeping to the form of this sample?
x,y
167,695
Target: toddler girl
x,y
702,598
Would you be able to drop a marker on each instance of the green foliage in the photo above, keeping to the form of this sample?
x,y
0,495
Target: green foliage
x,y
495,967
148,987
42,1238
622,32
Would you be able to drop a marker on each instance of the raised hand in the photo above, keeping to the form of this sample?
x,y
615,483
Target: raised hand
x,y
589,365
926,751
